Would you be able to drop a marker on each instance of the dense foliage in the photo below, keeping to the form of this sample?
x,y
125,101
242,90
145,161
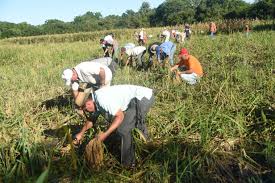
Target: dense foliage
x,y
170,12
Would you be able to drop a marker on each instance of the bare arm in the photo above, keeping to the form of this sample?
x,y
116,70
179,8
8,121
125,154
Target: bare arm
x,y
75,94
189,71
127,61
115,124
174,67
86,126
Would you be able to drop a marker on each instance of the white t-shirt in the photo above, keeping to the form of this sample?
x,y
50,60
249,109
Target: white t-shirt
x,y
109,39
89,71
135,51
129,46
103,60
166,33
141,34
116,97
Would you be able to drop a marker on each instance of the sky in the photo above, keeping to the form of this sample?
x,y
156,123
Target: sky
x,y
36,12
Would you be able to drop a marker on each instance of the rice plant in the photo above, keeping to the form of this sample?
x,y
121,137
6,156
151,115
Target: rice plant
x,y
220,130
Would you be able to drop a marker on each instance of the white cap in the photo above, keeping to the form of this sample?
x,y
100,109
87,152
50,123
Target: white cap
x,y
67,76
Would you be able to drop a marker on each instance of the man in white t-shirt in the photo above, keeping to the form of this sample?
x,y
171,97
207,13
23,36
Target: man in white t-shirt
x,y
126,107
109,45
136,53
91,75
142,37
166,35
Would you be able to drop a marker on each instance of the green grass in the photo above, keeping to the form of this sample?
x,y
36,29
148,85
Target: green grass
x,y
221,130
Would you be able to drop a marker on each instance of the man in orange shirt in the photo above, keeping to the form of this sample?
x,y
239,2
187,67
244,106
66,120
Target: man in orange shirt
x,y
213,29
192,67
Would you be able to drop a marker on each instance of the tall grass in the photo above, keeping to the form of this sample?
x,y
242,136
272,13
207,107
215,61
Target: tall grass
x,y
223,26
221,130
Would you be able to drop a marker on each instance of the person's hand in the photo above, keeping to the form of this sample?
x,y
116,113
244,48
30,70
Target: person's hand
x,y
101,136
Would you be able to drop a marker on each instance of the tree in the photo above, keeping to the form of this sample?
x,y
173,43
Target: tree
x,y
144,14
87,22
236,9
173,12
262,10
55,26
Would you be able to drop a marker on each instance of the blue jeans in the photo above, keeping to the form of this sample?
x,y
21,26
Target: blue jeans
x,y
212,34
171,56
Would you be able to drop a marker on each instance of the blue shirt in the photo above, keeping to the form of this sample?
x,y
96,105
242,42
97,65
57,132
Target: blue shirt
x,y
166,48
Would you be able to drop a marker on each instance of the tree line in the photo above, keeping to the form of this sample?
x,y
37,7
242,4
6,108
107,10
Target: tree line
x,y
170,12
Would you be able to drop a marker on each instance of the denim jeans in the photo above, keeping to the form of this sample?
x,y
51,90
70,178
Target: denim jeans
x,y
171,56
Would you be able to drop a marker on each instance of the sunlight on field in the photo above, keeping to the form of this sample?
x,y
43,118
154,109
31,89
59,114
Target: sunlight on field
x,y
220,130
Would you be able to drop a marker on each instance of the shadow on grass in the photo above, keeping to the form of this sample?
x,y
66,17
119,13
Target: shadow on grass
x,y
180,161
60,101
171,160
62,131
262,119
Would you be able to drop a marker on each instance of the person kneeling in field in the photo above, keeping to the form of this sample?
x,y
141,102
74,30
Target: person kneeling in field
x,y
86,76
126,107
188,68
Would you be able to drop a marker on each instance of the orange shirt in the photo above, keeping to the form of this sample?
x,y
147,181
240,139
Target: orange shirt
x,y
213,27
192,63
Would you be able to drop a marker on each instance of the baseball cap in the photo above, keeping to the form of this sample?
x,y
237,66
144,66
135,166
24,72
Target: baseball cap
x,y
67,76
183,51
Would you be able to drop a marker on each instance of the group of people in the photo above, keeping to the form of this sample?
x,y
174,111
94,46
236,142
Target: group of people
x,y
158,52
179,36
124,106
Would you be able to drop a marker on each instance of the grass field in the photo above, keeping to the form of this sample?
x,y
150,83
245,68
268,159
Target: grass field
x,y
220,130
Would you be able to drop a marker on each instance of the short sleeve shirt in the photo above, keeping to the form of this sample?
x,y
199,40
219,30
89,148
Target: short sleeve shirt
x,y
135,51
114,98
104,60
194,64
88,72
109,39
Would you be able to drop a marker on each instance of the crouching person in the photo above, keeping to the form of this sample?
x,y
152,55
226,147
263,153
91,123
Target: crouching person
x,y
166,50
135,54
152,51
85,77
126,107
188,68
